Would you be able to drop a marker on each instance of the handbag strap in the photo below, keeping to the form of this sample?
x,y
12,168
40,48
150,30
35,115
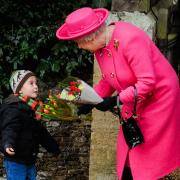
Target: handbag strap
x,y
135,100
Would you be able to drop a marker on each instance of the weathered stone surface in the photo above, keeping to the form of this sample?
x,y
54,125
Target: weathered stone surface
x,y
130,5
166,3
143,21
103,142
162,26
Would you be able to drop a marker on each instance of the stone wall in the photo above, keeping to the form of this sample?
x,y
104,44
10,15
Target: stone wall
x,y
73,162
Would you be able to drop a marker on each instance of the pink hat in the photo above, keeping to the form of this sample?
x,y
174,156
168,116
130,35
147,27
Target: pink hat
x,y
81,22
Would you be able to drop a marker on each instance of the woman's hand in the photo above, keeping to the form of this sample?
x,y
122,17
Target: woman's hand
x,y
107,104
85,109
10,151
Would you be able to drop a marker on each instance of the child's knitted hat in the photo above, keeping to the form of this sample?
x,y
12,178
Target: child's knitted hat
x,y
18,78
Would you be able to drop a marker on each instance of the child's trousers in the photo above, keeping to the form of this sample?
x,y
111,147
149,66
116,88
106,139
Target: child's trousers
x,y
17,171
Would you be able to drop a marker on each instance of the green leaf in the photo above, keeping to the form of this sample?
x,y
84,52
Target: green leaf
x,y
1,52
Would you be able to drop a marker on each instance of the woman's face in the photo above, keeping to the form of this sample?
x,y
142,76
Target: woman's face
x,y
91,46
30,87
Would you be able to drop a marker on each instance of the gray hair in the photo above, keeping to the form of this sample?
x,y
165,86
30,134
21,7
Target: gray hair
x,y
91,36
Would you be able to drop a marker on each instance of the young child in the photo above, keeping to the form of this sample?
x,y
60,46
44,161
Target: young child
x,y
20,129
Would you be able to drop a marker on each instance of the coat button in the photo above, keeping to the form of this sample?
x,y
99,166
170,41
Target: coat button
x,y
126,112
109,54
103,76
112,75
116,44
150,94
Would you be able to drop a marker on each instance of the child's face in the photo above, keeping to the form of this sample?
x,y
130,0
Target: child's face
x,y
30,87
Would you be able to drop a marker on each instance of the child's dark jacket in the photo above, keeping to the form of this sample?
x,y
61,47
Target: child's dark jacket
x,y
21,131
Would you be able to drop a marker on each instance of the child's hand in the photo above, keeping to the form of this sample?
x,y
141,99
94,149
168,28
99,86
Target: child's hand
x,y
10,151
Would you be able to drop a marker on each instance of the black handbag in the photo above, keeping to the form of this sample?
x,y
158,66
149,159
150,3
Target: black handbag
x,y
132,133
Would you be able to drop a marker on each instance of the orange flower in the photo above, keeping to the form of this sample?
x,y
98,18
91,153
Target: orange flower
x,y
46,111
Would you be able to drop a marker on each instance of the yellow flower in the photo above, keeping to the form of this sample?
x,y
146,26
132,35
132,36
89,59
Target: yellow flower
x,y
80,87
55,104
47,106
71,97
50,96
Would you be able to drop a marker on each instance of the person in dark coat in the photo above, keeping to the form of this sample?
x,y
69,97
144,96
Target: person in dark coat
x,y
21,128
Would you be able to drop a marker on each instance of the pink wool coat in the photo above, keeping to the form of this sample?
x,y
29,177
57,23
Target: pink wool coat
x,y
131,58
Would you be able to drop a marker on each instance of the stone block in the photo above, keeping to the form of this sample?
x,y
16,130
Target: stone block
x,y
144,21
162,26
131,5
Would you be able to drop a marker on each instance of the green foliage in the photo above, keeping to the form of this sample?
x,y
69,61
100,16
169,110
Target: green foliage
x,y
102,3
28,41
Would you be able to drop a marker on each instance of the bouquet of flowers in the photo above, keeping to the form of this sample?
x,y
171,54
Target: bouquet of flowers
x,y
80,92
55,108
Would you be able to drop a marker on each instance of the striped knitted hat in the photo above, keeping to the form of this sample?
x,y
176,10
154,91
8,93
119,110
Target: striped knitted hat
x,y
18,78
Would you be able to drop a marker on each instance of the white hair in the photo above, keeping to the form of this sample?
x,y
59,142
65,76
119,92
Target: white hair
x,y
91,36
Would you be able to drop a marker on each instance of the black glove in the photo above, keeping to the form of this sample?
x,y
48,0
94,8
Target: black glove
x,y
85,109
107,104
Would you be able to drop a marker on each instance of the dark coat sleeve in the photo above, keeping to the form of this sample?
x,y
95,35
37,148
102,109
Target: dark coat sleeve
x,y
47,141
10,127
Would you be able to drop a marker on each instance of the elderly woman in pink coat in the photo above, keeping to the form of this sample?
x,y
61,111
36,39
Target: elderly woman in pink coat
x,y
128,58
